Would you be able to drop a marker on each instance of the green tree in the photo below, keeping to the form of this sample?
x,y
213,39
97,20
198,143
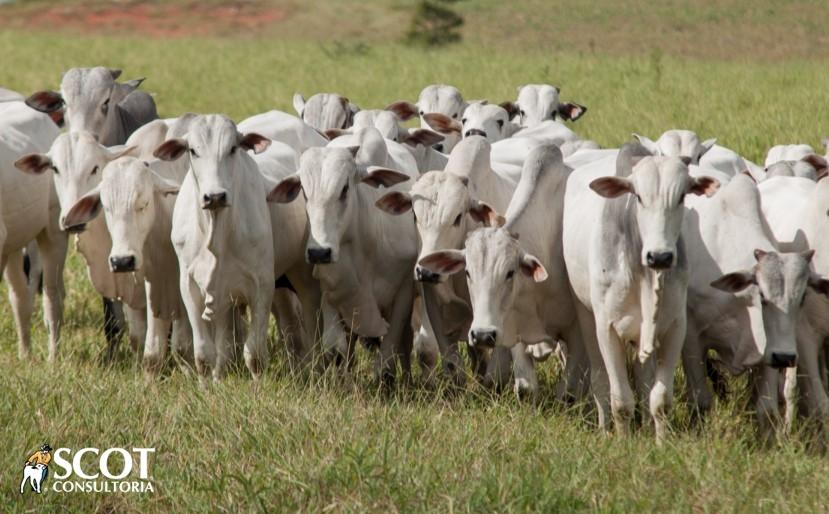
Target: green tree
x,y
434,24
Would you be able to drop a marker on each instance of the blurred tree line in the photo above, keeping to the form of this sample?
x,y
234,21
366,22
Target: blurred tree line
x,y
434,23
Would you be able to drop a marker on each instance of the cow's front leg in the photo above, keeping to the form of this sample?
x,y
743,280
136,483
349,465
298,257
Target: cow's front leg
x,y
662,391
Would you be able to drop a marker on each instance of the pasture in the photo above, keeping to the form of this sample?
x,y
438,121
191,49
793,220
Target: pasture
x,y
319,443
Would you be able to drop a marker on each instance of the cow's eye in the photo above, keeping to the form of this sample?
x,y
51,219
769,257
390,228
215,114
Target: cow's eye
x,y
345,124
193,153
94,170
510,274
422,113
681,199
639,199
457,220
233,150
439,148
105,106
468,277
763,299
522,113
344,193
455,116
500,123
463,121
55,169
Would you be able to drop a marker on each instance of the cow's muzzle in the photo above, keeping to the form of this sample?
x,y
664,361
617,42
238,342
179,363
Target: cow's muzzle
x,y
122,263
319,255
659,260
482,338
474,132
783,359
214,201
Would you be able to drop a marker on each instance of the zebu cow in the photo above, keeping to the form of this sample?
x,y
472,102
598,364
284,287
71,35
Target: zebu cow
x,y
795,209
628,267
537,103
362,259
29,212
285,128
518,288
325,111
434,99
222,237
743,296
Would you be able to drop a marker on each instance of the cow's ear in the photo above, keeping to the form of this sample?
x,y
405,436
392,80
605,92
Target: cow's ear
x,y
570,111
482,212
134,83
707,145
611,187
511,108
376,177
45,101
403,110
649,145
335,133
286,191
394,203
820,164
819,284
84,210
117,153
163,185
442,123
734,282
444,262
253,141
703,186
33,163
423,137
171,149
299,104
533,268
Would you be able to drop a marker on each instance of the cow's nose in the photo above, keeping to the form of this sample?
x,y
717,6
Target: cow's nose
x,y
122,263
783,359
482,338
659,260
214,200
475,132
319,255
424,275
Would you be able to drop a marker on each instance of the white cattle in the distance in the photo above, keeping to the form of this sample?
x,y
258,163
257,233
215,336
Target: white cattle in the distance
x,y
285,128
325,111
434,99
537,103
29,212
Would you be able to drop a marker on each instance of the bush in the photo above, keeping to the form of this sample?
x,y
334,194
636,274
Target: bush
x,y
434,24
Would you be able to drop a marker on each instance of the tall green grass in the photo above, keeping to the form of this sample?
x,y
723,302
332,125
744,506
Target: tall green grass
x,y
320,444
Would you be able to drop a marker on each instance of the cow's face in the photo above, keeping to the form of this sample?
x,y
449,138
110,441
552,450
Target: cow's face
x,y
386,123
325,111
130,192
495,267
538,103
444,212
489,121
657,186
678,143
330,180
76,160
215,150
774,291
445,100
88,95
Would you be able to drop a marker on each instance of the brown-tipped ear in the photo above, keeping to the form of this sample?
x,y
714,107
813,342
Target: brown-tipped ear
x,y
376,177
704,186
335,133
253,141
442,123
511,108
533,268
759,254
84,210
820,164
734,282
611,187
483,213
45,101
395,203
170,150
570,111
444,262
819,284
286,191
423,137
403,110
33,163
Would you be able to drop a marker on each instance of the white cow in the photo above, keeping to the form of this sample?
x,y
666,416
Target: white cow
x,y
137,203
518,288
811,166
627,264
222,237
677,143
749,314
795,209
29,212
325,111
537,103
363,260
779,153
434,99
285,128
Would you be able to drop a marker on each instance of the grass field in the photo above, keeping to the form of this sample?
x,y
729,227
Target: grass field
x,y
294,444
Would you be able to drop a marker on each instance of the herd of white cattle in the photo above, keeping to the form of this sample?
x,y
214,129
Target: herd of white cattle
x,y
496,225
